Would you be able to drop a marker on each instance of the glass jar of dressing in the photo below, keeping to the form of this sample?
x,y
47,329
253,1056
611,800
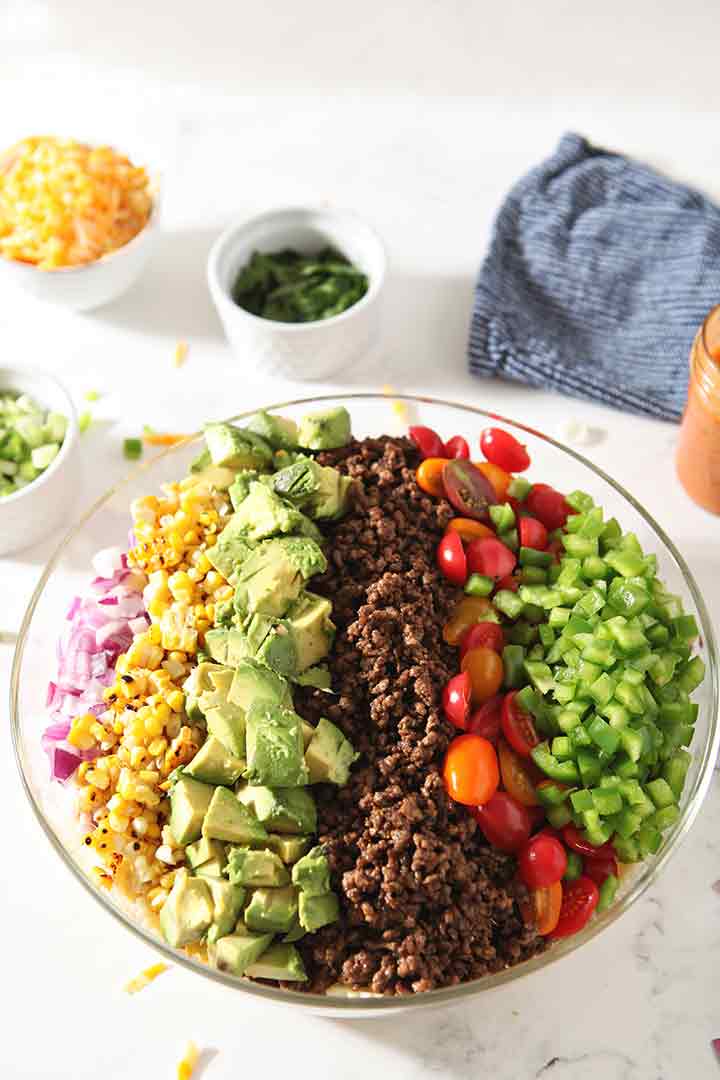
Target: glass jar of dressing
x,y
698,452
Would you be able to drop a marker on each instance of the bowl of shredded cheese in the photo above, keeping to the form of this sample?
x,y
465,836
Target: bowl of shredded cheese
x,y
76,221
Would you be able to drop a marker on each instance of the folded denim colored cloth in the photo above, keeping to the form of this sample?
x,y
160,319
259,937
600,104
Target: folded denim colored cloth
x,y
599,273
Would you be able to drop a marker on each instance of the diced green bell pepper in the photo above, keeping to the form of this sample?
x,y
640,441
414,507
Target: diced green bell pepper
x,y
608,889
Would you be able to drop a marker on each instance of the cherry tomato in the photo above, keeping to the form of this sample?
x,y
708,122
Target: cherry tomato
x,y
548,506
508,582
577,842
427,441
457,447
517,726
537,817
471,770
599,867
542,861
543,908
503,449
490,557
580,898
488,634
452,560
468,490
517,779
499,479
429,476
469,530
505,823
486,672
485,721
533,533
467,612
456,700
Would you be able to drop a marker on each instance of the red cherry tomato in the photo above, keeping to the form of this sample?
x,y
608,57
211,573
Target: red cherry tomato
x,y
488,634
427,441
533,534
600,867
485,721
548,506
577,842
457,447
451,558
503,449
508,582
470,770
490,557
505,823
580,898
456,700
517,726
542,861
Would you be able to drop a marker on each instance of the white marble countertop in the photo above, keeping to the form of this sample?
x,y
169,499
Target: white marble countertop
x,y
418,124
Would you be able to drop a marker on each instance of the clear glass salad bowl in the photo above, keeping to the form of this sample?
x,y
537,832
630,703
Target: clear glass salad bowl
x,y
107,524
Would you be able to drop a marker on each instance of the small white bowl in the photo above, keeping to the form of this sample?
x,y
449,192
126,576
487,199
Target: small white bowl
x,y
31,514
81,288
310,350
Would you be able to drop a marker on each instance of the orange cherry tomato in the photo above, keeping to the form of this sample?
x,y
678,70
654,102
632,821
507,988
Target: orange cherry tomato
x,y
470,610
429,475
516,777
543,908
499,479
471,770
469,529
486,672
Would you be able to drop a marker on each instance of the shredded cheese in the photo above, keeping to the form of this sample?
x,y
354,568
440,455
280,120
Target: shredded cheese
x,y
144,978
186,1066
181,351
398,407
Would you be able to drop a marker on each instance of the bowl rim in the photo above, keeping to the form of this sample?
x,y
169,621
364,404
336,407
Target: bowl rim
x,y
367,1003
68,443
236,228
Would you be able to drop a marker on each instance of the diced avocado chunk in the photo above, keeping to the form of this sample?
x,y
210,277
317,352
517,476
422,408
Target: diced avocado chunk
x,y
295,932
319,490
214,764
278,650
237,448
325,430
272,909
203,851
228,900
213,476
311,874
280,961
254,682
318,676
225,722
280,432
262,514
248,867
312,629
235,952
240,486
187,912
189,802
317,911
329,755
271,578
227,819
212,869
275,747
231,549
289,848
285,810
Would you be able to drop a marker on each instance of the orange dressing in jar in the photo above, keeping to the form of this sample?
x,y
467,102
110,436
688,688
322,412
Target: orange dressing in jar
x,y
698,452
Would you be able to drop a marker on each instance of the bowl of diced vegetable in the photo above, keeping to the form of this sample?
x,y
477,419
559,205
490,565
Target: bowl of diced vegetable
x,y
580,731
38,456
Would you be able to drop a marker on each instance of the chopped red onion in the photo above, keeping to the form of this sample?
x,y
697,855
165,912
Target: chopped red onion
x,y
108,561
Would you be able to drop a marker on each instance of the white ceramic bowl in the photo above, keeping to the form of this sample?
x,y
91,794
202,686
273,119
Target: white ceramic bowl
x,y
81,288
299,350
31,514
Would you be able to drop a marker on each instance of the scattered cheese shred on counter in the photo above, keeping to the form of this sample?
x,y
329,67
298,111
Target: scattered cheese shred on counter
x,y
186,1066
145,978
181,351
398,407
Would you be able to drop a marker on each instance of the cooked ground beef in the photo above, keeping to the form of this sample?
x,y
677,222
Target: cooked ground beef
x,y
425,902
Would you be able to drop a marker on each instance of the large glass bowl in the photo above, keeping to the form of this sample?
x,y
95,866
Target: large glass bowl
x,y
372,414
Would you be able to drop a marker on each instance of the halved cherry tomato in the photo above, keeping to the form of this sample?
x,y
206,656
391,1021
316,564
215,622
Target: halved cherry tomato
x,y
429,476
485,721
452,560
490,557
577,842
457,447
488,634
456,700
580,898
468,490
471,770
469,530
486,672
533,533
467,612
542,861
544,908
427,441
499,479
503,449
505,823
517,726
548,506
597,868
508,582
517,779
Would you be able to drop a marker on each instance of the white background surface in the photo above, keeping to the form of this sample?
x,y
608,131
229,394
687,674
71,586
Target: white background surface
x,y
419,116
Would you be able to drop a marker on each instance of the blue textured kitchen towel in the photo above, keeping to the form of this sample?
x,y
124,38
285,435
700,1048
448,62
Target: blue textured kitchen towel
x,y
599,273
